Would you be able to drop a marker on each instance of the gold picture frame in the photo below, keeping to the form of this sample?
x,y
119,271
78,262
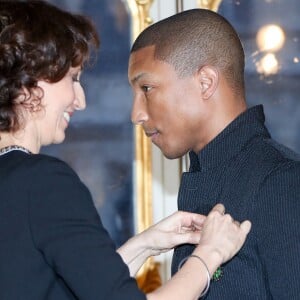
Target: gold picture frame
x,y
209,4
148,277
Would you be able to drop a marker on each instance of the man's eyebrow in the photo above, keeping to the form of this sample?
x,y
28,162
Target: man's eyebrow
x,y
137,77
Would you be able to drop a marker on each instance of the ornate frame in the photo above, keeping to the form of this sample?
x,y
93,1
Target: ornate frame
x,y
143,163
209,4
148,277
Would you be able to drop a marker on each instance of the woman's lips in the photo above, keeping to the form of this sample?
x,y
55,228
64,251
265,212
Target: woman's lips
x,y
67,116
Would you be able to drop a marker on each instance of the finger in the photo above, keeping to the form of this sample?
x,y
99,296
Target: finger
x,y
229,217
196,226
237,223
192,237
191,219
246,226
220,208
198,220
193,227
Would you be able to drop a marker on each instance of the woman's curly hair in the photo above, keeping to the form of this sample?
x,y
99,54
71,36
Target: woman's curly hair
x,y
38,41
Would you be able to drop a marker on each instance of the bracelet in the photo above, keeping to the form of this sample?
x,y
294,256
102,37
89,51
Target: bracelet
x,y
207,271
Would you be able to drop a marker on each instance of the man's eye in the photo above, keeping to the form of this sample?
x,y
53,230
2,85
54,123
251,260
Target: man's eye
x,y
146,88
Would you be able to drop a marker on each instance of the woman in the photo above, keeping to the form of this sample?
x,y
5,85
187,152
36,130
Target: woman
x,y
53,245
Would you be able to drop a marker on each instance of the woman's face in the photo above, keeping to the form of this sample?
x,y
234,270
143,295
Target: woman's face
x,y
59,102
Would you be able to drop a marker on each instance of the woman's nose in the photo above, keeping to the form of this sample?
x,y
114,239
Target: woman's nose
x,y
79,102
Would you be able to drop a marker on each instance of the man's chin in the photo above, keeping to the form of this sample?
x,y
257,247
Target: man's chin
x,y
171,154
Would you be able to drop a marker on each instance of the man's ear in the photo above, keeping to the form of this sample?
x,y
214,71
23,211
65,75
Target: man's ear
x,y
208,79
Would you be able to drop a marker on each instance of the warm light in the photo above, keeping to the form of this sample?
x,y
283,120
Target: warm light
x,y
268,65
270,38
296,60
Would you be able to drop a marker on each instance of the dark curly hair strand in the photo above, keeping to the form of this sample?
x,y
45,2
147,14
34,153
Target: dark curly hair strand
x,y
38,41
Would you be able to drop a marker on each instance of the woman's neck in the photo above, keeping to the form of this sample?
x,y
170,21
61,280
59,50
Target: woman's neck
x,y
8,139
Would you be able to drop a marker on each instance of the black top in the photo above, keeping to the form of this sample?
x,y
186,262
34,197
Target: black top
x,y
53,245
256,179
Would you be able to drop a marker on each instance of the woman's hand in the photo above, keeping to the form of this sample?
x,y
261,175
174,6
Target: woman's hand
x,y
221,237
179,228
218,235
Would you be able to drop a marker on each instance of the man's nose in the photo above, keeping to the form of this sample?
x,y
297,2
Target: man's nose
x,y
139,113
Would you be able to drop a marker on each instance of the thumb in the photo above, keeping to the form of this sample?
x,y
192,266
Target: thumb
x,y
246,226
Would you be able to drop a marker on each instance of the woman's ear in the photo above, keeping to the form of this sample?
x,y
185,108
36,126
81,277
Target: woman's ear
x,y
31,101
36,99
208,78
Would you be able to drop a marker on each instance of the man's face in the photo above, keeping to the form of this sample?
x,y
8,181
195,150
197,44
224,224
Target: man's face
x,y
168,107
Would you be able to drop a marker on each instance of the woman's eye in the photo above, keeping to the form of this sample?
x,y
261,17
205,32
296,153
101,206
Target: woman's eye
x,y
76,78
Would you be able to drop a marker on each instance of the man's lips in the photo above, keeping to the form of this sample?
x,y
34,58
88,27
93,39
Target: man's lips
x,y
151,134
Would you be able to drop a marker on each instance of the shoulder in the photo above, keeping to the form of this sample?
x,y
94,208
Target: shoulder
x,y
279,165
285,177
275,170
54,177
54,184
45,168
283,163
276,200
26,170
278,192
281,151
46,163
265,162
266,156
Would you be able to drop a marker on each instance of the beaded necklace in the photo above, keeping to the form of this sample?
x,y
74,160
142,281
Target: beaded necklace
x,y
13,148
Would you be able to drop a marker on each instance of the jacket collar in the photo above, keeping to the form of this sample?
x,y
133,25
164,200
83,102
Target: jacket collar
x,y
231,140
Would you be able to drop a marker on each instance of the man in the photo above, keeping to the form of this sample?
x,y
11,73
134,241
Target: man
x,y
187,75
